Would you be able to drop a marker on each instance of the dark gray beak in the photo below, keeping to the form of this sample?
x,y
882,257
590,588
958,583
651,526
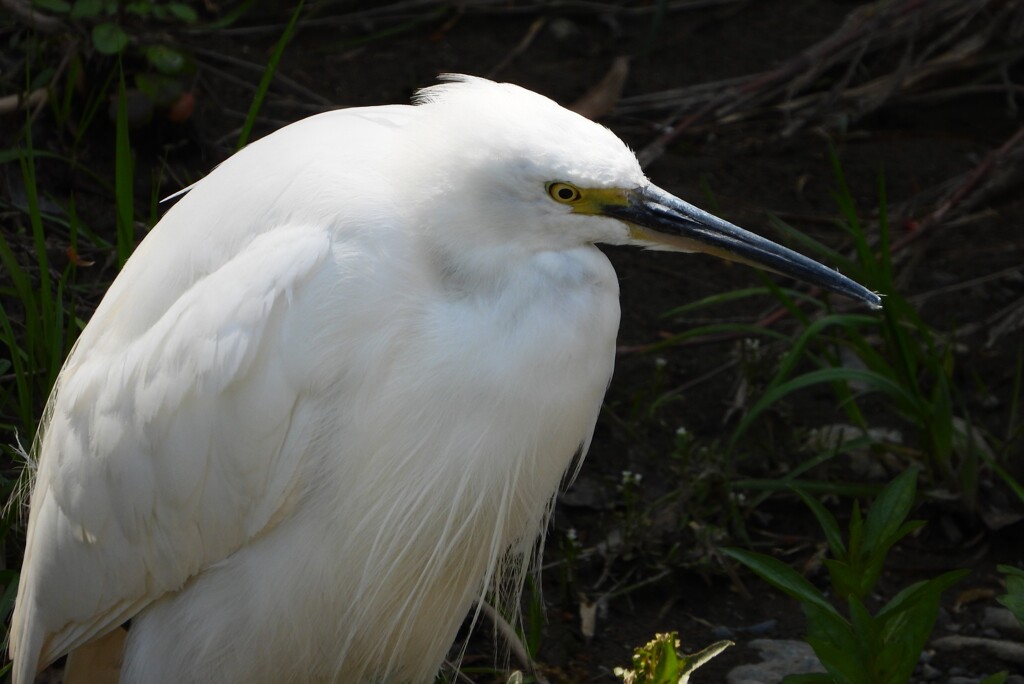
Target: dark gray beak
x,y
665,220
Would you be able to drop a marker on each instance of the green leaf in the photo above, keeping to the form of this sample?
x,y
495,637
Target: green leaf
x,y
997,678
716,299
666,671
864,626
1011,572
856,544
908,596
230,16
715,329
871,570
823,253
1013,599
84,9
43,78
1010,481
784,299
845,664
783,577
690,662
166,59
161,90
896,660
814,331
59,6
10,579
141,9
889,510
268,75
845,579
124,191
907,622
109,39
874,381
826,520
183,12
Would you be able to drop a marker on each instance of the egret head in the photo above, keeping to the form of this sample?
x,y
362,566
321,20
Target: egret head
x,y
531,173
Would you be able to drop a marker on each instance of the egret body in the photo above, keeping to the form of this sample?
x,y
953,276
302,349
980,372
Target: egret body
x,y
330,398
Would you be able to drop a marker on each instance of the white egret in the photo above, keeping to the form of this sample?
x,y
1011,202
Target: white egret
x,y
330,398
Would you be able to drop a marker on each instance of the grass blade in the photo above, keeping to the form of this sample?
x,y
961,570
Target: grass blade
x,y
826,521
890,509
268,76
124,193
783,578
874,381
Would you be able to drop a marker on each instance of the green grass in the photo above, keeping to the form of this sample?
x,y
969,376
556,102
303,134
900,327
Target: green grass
x,y
41,292
40,334
861,647
902,369
124,175
1013,599
268,76
901,362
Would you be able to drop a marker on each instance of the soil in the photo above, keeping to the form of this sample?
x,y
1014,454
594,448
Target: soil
x,y
662,536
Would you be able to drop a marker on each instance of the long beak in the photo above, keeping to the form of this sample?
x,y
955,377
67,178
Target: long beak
x,y
660,218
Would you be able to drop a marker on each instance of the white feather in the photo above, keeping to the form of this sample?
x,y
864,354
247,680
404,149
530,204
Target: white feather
x,y
329,399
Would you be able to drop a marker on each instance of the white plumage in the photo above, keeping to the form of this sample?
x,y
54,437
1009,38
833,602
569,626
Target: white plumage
x,y
330,398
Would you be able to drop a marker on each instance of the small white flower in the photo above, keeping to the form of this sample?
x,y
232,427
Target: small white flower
x,y
630,478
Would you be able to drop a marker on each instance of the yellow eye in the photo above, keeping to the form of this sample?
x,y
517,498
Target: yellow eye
x,y
564,193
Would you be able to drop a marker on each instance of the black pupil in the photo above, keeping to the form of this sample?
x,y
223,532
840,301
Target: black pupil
x,y
566,193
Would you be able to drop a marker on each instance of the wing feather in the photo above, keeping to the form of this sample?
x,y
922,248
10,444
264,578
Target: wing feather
x,y
163,454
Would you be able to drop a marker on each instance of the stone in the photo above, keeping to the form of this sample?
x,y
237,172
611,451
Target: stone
x,y
1003,621
1006,651
779,657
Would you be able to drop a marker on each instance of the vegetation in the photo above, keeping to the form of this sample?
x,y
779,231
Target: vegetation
x,y
882,648
659,661
678,492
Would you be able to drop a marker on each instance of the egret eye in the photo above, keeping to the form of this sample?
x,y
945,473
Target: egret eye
x,y
564,193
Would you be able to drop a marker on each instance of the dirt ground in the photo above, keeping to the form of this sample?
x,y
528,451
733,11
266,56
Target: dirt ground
x,y
649,556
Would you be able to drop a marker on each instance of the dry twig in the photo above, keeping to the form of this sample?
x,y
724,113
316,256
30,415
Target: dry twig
x,y
23,11
853,71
